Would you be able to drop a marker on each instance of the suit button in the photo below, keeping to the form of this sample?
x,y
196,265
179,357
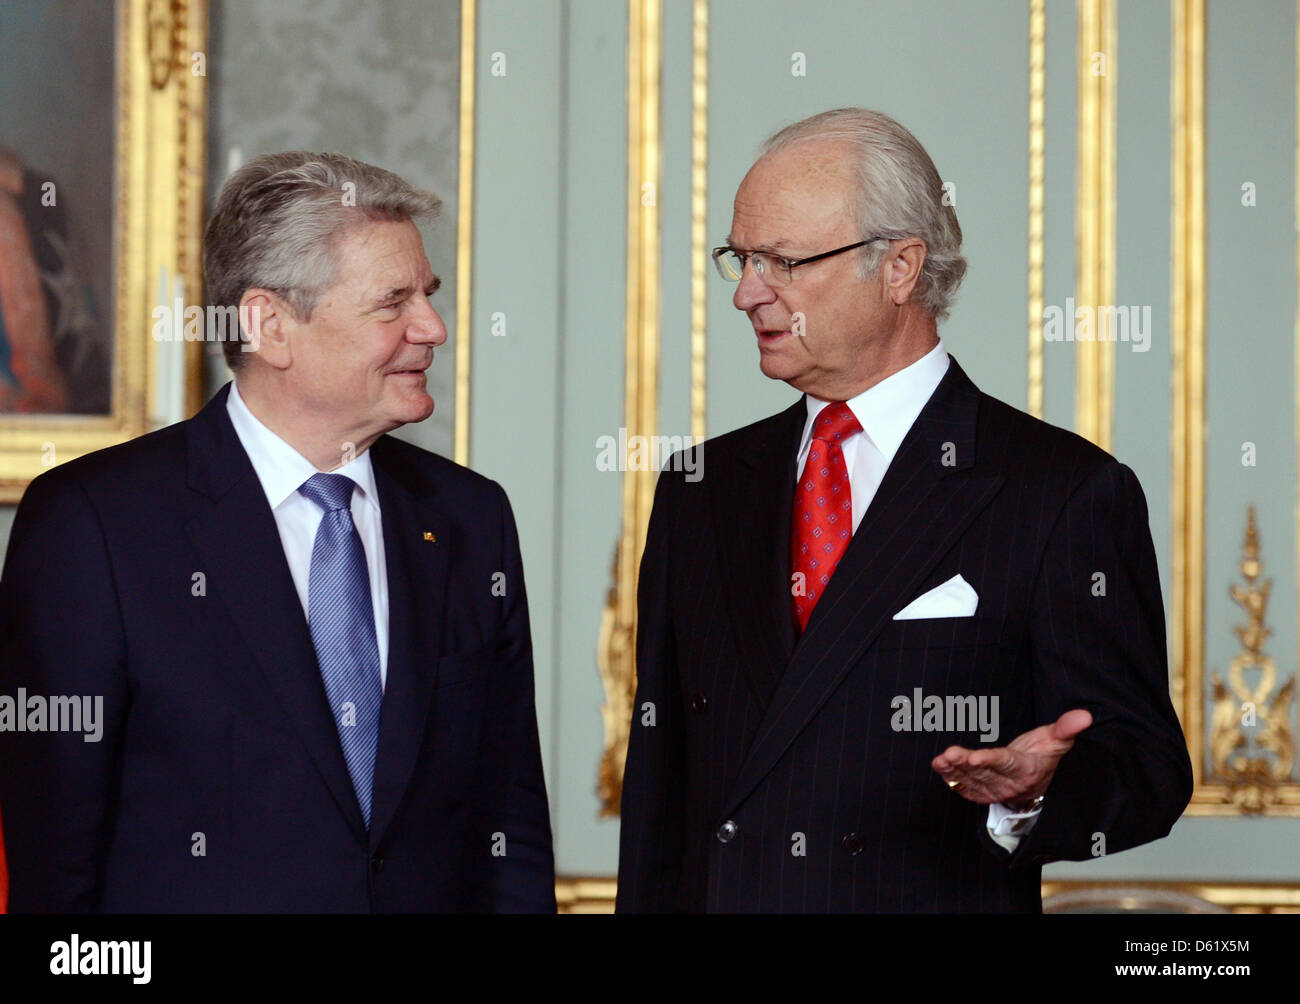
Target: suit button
x,y
699,703
377,863
852,843
727,832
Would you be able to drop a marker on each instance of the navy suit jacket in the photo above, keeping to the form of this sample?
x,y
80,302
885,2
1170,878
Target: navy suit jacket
x,y
152,575
775,775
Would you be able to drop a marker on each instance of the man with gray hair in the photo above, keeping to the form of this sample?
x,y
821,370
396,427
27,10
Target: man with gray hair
x,y
311,639
904,644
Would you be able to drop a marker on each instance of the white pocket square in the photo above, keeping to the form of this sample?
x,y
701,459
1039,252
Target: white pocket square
x,y
955,598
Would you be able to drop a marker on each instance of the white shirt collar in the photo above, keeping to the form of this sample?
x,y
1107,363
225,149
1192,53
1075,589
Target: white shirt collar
x,y
886,410
279,467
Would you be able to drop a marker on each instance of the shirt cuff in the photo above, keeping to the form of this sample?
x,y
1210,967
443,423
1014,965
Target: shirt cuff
x,y
1006,826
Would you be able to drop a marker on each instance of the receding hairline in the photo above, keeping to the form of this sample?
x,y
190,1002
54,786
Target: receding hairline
x,y
841,169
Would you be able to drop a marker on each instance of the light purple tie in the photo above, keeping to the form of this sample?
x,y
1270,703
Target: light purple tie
x,y
342,623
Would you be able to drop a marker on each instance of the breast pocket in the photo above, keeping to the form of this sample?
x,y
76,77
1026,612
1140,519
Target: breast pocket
x,y
941,633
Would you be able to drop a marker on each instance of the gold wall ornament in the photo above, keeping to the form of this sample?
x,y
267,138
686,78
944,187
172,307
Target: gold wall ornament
x,y
159,136
1252,747
616,648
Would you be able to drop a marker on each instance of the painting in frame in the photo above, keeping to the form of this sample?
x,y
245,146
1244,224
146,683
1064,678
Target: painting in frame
x,y
102,146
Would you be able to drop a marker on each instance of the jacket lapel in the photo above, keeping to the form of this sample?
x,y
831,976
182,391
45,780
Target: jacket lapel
x,y
751,502
417,575
928,497
235,533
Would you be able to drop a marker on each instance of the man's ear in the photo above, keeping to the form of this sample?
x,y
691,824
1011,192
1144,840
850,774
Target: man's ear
x,y
904,269
267,325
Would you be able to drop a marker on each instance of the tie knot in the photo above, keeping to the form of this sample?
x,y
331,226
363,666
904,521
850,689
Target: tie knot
x,y
329,491
835,422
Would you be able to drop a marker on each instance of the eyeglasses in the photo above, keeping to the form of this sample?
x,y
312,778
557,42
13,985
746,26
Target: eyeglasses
x,y
771,268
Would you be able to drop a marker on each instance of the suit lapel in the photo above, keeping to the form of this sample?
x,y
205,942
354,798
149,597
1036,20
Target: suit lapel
x,y
751,502
417,574
235,533
928,497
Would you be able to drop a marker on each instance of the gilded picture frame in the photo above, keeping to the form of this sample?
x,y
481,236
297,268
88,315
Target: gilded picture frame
x,y
159,74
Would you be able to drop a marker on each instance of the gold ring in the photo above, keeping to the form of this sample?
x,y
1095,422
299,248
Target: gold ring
x,y
956,785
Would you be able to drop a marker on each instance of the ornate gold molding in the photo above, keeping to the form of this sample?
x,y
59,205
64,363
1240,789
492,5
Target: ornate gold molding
x,y
596,895
464,231
1095,217
1252,746
699,215
1037,173
164,37
1234,897
585,895
1188,420
616,653
186,35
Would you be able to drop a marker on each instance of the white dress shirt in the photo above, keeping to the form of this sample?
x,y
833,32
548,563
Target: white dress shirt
x,y
886,411
282,470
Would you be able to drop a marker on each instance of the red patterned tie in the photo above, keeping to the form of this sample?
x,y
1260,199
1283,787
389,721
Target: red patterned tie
x,y
823,510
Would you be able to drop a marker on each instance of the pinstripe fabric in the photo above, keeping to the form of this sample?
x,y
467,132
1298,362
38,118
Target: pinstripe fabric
x,y
342,622
774,778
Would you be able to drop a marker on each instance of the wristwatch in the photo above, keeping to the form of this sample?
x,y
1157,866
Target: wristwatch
x,y
1037,803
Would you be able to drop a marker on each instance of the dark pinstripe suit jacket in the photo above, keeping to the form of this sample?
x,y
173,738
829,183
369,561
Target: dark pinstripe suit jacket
x,y
757,748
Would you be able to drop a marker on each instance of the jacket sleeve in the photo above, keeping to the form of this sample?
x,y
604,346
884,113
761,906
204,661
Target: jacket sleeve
x,y
1097,638
61,636
523,868
652,832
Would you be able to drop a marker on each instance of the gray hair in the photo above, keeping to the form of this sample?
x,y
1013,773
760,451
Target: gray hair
x,y
900,194
278,222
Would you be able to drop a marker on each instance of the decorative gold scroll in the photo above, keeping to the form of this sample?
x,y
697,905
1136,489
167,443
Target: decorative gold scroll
x,y
1252,745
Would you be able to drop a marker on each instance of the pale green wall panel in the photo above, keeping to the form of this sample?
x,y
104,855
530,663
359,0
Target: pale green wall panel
x,y
1250,362
592,328
1210,849
517,276
1143,394
675,207
549,254
1250,380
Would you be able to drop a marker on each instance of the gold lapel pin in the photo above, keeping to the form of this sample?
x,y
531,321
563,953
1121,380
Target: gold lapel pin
x,y
430,536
